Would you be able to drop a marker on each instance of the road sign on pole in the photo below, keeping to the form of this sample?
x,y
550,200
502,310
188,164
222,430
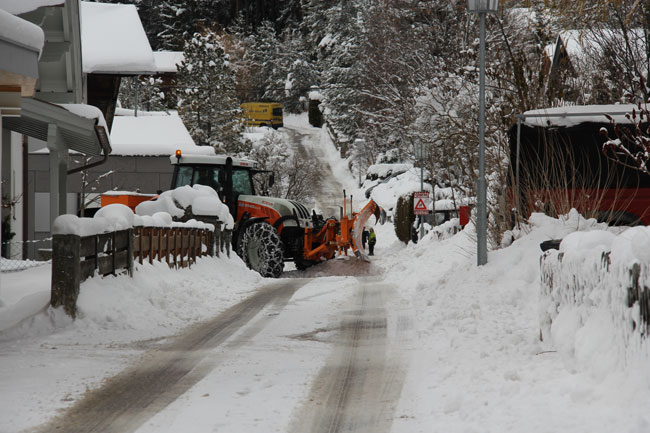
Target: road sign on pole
x,y
421,203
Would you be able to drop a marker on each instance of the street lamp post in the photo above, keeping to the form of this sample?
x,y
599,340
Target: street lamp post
x,y
482,8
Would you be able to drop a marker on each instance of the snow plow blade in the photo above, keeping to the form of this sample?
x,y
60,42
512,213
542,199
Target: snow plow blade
x,y
360,221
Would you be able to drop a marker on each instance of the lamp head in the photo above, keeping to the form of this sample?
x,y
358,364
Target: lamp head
x,y
483,6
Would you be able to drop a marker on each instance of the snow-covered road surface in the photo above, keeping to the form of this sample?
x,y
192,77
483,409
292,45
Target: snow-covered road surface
x,y
165,373
308,142
358,389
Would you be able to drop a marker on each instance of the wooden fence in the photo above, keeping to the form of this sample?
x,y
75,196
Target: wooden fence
x,y
179,247
76,258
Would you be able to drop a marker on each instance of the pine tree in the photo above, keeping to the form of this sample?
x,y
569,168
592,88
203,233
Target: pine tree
x,y
206,95
333,32
143,93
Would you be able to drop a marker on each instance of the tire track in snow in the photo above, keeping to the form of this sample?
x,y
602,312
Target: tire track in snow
x,y
129,399
358,389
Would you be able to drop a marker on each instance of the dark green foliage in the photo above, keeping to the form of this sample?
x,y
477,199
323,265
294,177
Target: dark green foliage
x,y
315,115
167,22
403,218
7,235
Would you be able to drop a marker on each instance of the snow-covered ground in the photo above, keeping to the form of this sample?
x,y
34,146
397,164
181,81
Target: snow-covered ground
x,y
474,362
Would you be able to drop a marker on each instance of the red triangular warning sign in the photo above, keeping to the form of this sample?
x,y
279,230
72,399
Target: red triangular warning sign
x,y
420,205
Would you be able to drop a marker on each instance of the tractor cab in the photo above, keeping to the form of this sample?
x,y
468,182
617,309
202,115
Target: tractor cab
x,y
230,177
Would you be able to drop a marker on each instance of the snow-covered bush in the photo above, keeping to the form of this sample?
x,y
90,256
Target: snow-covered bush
x,y
594,298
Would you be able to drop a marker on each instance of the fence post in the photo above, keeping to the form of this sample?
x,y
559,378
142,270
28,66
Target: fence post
x,y
66,272
129,259
227,234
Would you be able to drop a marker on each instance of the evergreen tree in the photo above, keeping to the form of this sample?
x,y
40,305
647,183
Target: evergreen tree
x,y
333,30
143,93
206,95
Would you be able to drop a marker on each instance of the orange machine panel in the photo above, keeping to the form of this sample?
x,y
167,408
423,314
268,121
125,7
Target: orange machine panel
x,y
130,200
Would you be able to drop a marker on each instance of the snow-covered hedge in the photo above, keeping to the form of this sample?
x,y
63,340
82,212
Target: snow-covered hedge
x,y
594,297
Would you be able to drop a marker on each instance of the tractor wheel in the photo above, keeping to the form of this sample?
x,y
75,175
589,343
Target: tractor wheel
x,y
261,249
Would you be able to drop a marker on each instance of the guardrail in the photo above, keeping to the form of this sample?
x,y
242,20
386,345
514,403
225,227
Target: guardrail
x,y
76,258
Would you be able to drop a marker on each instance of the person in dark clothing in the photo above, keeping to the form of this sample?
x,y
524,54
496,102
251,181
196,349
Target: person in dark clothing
x,y
364,237
372,240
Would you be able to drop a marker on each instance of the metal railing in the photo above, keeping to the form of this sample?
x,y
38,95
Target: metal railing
x,y
12,258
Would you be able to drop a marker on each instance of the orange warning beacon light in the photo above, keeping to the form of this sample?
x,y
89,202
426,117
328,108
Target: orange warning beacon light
x,y
179,155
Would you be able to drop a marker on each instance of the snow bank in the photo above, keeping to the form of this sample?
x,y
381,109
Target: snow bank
x,y
593,293
108,334
478,363
203,201
382,171
158,213
110,218
385,194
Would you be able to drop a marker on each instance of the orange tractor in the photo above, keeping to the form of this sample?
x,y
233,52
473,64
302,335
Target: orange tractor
x,y
270,231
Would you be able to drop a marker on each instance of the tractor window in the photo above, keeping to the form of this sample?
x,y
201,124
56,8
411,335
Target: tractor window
x,y
184,175
208,176
241,182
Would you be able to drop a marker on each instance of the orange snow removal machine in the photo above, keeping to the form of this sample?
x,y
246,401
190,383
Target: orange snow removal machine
x,y
270,231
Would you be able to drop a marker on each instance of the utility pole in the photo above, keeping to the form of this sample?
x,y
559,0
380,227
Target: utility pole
x,y
482,8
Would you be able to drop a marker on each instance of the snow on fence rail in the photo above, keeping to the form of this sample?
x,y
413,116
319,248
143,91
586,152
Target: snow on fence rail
x,y
597,284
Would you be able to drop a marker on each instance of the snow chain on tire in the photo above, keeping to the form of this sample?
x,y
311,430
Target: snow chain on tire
x,y
261,249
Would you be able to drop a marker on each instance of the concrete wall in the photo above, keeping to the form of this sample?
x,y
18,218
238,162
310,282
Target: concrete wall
x,y
146,174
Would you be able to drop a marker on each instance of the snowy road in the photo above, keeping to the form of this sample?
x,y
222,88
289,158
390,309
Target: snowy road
x,y
359,387
307,142
130,398
344,367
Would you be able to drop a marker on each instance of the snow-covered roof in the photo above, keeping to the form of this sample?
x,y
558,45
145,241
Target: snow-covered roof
x,y
87,111
113,40
18,7
574,115
579,42
77,124
21,32
119,111
167,61
152,136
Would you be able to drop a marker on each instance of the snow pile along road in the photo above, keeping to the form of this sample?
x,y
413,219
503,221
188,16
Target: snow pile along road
x,y
478,364
49,361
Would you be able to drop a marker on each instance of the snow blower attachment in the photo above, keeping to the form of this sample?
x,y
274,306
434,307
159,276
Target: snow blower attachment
x,y
339,236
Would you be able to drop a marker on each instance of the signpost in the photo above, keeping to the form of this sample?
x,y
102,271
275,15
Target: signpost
x,y
421,203
420,154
